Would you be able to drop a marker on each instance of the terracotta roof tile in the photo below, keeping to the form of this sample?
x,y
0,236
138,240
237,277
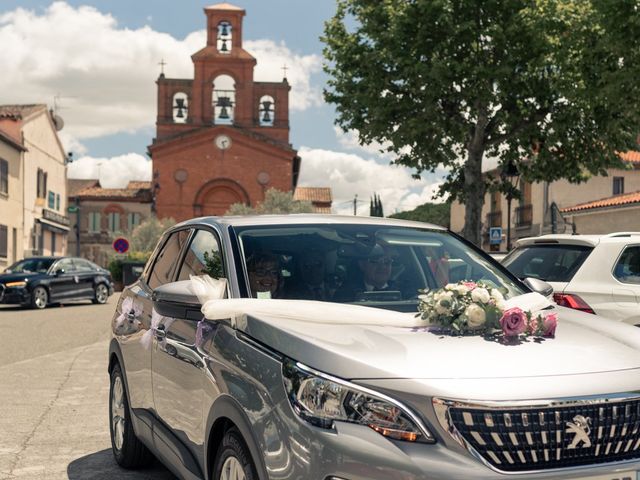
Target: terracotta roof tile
x,y
19,111
123,194
321,209
313,194
75,185
139,185
615,201
631,156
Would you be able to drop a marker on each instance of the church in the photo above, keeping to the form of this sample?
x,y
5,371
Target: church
x,y
221,138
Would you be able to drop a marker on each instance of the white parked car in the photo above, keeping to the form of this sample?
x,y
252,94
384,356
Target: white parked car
x,y
593,273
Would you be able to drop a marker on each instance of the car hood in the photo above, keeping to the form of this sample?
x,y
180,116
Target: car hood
x,y
18,277
583,344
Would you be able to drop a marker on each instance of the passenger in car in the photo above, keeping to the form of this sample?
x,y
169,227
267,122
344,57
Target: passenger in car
x,y
374,275
310,280
264,275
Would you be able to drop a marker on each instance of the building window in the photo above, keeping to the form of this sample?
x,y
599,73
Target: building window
x,y
224,100
4,177
3,241
133,220
52,200
94,222
41,187
114,222
618,185
57,201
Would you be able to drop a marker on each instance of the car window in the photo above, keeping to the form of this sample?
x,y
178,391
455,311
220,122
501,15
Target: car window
x,y
65,264
164,268
627,268
203,257
551,263
83,265
39,265
372,265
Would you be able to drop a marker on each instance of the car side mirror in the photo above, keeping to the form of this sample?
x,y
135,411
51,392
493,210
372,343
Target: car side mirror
x,y
177,300
539,286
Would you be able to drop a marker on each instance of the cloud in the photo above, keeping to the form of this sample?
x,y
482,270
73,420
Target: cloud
x,y
104,75
349,174
113,172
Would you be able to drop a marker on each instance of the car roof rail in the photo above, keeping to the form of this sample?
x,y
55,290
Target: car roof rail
x,y
621,234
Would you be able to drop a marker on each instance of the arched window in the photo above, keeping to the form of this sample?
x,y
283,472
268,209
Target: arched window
x,y
180,107
224,37
224,100
266,111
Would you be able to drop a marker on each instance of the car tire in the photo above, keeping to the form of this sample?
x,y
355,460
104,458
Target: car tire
x,y
39,298
233,460
128,450
100,294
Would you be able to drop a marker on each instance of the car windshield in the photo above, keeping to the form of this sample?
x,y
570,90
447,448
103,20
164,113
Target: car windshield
x,y
374,265
551,262
34,265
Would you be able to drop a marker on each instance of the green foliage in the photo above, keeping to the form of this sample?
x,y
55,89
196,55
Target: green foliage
x,y
547,85
436,213
275,202
145,236
115,267
213,265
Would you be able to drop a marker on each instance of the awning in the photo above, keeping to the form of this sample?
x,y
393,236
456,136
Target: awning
x,y
53,226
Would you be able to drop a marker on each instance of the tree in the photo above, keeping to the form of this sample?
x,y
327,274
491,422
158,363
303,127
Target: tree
x,y
275,202
375,207
546,86
436,213
146,235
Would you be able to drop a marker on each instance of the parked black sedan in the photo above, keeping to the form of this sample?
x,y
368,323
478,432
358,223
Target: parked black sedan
x,y
40,281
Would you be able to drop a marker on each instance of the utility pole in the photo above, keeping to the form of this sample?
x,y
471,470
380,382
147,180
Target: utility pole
x,y
355,204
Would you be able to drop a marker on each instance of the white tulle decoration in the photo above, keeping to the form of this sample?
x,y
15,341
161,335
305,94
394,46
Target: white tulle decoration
x,y
156,321
129,309
210,292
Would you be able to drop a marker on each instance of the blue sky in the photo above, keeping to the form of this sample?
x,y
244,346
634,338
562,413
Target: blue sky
x,y
99,58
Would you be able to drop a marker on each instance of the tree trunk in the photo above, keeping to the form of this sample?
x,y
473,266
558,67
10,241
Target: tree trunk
x,y
474,187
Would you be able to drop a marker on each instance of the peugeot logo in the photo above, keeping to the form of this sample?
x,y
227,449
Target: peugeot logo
x,y
580,427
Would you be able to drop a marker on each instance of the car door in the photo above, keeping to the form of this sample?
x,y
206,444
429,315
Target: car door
x,y
63,280
177,361
161,269
84,274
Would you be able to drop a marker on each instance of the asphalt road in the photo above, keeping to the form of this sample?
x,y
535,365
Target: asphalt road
x,y
54,391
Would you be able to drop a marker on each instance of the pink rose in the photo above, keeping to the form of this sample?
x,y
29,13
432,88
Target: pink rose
x,y
470,285
549,324
513,322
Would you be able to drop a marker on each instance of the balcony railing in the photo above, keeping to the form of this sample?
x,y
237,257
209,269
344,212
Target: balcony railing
x,y
494,219
524,216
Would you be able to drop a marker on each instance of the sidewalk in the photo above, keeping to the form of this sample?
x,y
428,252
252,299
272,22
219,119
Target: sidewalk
x,y
54,421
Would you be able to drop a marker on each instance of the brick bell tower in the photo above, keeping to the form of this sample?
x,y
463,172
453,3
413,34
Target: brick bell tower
x,y
221,138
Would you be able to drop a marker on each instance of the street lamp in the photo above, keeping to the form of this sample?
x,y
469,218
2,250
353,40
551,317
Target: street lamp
x,y
510,177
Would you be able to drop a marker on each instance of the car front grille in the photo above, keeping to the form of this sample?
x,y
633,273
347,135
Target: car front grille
x,y
527,439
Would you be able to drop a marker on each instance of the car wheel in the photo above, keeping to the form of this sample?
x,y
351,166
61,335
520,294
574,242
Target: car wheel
x,y
233,460
100,294
128,451
39,298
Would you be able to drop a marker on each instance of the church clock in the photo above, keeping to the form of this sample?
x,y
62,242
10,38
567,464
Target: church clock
x,y
223,142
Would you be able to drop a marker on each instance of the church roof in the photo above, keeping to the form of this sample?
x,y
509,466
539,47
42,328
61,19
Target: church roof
x,y
224,6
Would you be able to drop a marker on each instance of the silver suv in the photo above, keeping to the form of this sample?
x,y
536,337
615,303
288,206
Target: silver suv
x,y
323,390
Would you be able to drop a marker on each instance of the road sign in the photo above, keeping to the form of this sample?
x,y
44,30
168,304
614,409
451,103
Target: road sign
x,y
495,235
72,209
121,245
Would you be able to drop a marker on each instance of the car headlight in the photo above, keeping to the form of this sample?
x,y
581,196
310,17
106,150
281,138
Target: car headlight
x,y
321,399
16,284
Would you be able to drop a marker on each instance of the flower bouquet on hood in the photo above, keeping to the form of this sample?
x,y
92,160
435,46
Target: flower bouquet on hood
x,y
477,308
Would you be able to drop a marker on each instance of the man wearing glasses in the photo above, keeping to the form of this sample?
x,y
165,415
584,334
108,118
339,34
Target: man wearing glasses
x,y
264,275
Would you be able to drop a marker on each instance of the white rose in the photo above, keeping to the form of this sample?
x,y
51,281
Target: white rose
x,y
448,296
450,286
496,295
461,289
475,316
480,295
